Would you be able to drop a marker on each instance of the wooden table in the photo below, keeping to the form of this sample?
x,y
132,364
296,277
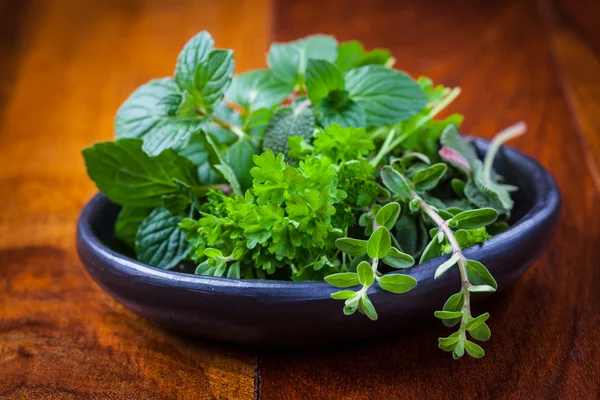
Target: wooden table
x,y
66,65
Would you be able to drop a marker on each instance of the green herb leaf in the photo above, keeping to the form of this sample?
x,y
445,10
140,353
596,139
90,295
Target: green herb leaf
x,y
427,179
219,164
432,251
343,279
454,303
368,308
481,288
239,157
395,183
397,259
322,77
473,219
339,108
397,283
387,96
479,275
159,242
128,223
352,54
452,139
128,176
352,247
480,332
150,114
211,80
288,60
351,304
388,215
448,314
195,51
379,243
475,322
446,265
258,89
473,349
365,274
343,295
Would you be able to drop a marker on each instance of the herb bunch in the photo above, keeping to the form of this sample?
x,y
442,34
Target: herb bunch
x,y
328,165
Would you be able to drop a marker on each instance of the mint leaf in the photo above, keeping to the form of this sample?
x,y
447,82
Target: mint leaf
x,y
288,60
159,242
211,80
150,114
339,108
195,51
387,96
239,157
322,77
258,89
197,153
130,177
128,222
352,54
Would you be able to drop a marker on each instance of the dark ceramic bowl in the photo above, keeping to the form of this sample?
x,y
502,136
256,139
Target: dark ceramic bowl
x,y
286,313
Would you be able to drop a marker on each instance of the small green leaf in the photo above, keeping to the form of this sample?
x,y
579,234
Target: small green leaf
x,y
481,332
427,179
481,288
211,80
339,108
352,247
473,349
365,273
475,322
449,342
432,251
396,183
459,350
454,303
210,252
128,223
352,54
458,186
397,283
233,272
322,77
368,308
448,314
343,279
351,304
446,265
388,215
473,219
414,204
396,259
343,295
219,164
379,243
479,275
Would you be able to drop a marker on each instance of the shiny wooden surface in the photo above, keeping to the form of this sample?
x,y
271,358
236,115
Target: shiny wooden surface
x,y
67,65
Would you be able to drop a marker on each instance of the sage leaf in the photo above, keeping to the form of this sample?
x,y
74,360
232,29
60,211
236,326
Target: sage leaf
x,y
352,54
159,242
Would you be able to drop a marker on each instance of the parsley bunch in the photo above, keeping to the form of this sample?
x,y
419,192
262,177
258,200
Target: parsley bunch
x,y
329,164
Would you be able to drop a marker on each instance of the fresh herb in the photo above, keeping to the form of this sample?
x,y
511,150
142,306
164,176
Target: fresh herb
x,y
328,165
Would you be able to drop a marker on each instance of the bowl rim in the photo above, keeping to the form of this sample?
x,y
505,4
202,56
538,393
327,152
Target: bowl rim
x,y
546,188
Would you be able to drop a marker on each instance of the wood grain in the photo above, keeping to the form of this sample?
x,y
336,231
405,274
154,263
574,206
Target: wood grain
x,y
545,341
66,66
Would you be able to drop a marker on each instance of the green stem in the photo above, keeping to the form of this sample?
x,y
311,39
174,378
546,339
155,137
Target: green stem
x,y
452,95
230,127
384,148
462,261
505,135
